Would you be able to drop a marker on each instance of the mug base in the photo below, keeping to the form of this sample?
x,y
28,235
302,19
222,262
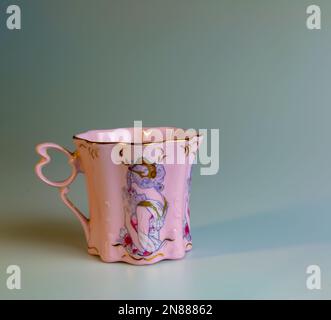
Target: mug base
x,y
139,260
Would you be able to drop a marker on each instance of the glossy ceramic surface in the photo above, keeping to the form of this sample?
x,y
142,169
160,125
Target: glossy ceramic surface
x,y
138,212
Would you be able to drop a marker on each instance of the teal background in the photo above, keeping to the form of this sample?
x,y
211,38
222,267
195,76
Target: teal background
x,y
250,68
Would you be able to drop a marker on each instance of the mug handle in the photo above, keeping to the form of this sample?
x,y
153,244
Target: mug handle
x,y
63,186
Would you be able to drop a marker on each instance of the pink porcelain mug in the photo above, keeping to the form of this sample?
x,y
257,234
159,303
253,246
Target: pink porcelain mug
x,y
139,210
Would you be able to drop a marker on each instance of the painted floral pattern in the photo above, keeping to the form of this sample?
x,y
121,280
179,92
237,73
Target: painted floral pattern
x,y
186,220
145,209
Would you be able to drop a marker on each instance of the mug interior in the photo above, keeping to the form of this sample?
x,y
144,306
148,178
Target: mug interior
x,y
137,135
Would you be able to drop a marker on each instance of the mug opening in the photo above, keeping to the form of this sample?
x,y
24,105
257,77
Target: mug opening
x,y
137,135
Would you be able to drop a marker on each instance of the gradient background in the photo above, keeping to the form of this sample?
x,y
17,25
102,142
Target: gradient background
x,y
250,68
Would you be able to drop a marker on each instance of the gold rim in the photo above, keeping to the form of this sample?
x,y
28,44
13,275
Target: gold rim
x,y
135,143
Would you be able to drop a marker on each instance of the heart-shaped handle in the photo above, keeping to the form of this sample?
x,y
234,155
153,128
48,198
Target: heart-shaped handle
x,y
63,186
45,159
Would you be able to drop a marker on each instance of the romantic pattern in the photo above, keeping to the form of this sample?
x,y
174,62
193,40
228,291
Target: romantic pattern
x,y
186,220
145,209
